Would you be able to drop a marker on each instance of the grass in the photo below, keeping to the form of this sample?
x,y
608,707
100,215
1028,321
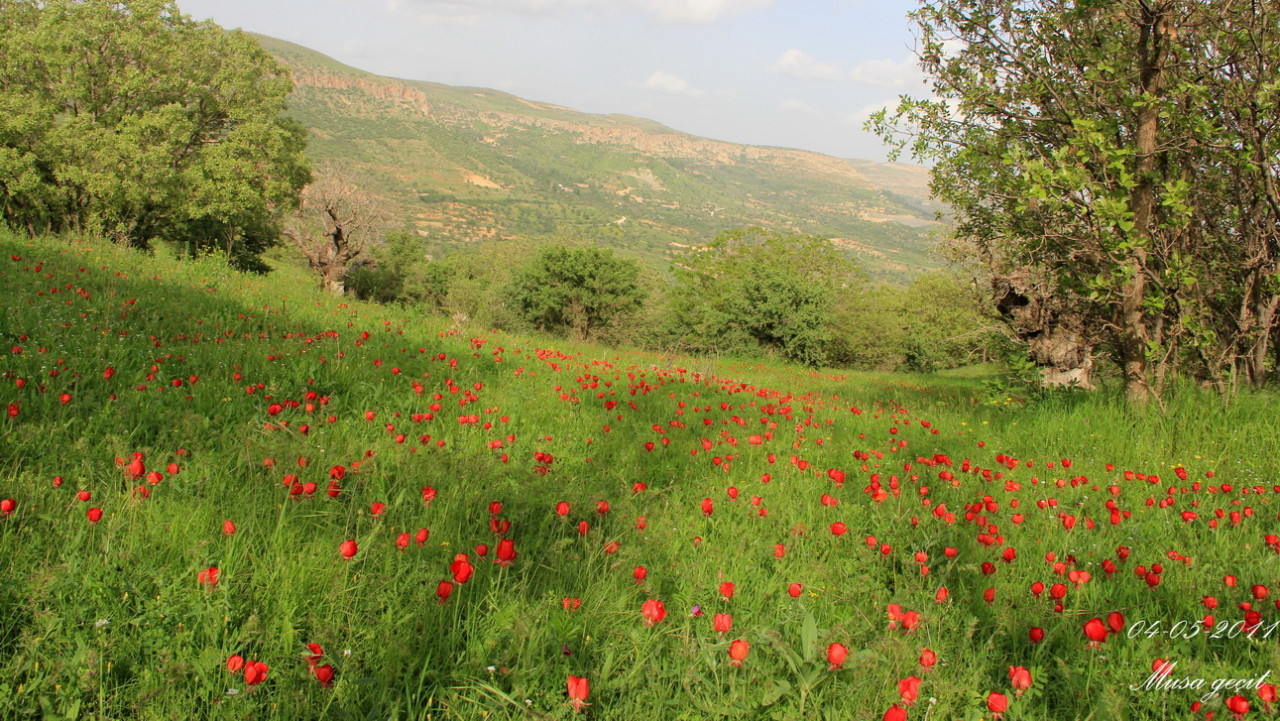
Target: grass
x,y
110,620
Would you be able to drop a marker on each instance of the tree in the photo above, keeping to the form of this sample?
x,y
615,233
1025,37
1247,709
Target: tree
x,y
581,291
336,226
936,322
1117,157
129,119
752,289
400,272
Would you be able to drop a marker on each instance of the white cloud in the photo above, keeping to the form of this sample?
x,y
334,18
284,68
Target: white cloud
x,y
664,82
796,106
953,46
887,73
795,63
700,11
686,12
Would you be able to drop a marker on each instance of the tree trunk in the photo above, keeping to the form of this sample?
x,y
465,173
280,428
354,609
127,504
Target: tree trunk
x,y
1266,316
1133,332
334,284
1055,338
1142,199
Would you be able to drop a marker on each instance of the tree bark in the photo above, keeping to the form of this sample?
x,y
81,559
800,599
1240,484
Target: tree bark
x,y
1132,325
1266,317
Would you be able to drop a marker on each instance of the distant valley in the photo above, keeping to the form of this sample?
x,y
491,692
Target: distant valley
x,y
472,164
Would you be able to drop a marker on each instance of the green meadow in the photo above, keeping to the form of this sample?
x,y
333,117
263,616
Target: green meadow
x,y
563,487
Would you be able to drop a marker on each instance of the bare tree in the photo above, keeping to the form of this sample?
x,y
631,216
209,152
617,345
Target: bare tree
x,y
336,226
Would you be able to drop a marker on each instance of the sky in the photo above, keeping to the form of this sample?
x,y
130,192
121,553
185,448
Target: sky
x,y
793,73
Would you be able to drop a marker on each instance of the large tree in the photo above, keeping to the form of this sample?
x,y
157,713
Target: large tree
x,y
128,118
1118,159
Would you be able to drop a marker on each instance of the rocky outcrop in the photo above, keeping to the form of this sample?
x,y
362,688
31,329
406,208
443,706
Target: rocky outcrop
x,y
372,86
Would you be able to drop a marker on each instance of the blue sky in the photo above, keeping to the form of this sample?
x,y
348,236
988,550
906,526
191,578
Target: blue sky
x,y
794,73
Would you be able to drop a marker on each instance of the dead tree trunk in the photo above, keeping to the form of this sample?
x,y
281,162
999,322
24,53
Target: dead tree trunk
x,y
1055,338
336,225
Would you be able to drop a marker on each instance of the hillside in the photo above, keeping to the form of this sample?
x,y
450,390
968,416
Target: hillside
x,y
232,493
468,164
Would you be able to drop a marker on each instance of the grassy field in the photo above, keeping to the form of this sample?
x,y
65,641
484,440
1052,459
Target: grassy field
x,y
563,488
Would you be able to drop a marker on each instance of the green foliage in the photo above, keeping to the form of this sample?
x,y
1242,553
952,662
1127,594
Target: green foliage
x,y
580,291
130,119
1127,165
752,290
399,272
110,620
935,323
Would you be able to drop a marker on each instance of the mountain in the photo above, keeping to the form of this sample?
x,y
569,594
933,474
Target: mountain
x,y
468,164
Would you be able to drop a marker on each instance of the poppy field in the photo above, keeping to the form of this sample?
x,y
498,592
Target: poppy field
x,y
231,497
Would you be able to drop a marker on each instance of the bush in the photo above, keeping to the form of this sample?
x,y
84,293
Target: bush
x,y
576,291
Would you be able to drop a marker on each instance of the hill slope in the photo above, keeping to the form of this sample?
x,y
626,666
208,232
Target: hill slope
x,y
469,164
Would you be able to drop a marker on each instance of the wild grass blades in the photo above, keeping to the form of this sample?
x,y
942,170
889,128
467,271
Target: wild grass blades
x,y
929,533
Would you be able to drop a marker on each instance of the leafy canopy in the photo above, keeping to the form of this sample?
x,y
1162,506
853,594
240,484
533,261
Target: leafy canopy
x,y
754,289
580,291
1121,155
129,118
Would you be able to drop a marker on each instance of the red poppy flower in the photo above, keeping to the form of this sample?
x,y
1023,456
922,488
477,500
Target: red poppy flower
x,y
461,568
928,658
909,690
836,654
348,549
997,703
208,577
443,590
1020,679
1115,621
722,622
255,672
653,612
579,689
1238,705
1096,631
738,651
506,552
